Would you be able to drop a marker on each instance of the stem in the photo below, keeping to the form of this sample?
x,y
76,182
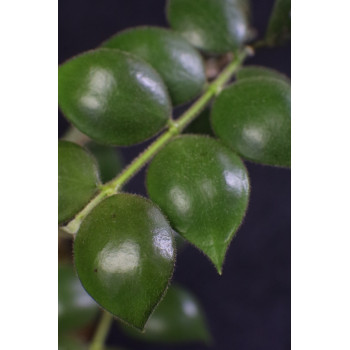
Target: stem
x,y
73,226
101,332
175,128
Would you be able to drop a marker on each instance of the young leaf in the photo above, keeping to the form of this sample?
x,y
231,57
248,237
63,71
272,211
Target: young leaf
x,y
109,160
216,26
77,179
113,97
253,117
203,188
177,319
75,307
178,63
124,256
278,30
248,72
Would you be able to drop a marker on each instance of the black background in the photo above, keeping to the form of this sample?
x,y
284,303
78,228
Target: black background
x,y
248,307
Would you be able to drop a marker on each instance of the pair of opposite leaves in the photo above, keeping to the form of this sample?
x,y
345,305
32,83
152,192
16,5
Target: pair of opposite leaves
x,y
99,96
124,250
94,89
252,117
179,313
115,97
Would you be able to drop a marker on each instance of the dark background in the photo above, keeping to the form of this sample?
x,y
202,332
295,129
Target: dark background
x,y
248,307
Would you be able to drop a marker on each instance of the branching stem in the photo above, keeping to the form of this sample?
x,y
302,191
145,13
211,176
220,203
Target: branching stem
x,y
174,128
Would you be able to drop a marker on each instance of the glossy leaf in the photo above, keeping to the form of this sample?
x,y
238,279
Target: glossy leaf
x,y
77,179
253,117
216,26
201,125
279,27
248,72
76,309
109,160
178,63
113,97
177,319
203,189
124,256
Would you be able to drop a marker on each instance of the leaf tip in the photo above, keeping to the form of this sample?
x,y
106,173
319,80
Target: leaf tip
x,y
217,259
139,326
219,270
218,266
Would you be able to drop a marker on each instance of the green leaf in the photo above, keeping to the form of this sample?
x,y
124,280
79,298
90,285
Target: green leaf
x,y
257,72
215,26
177,319
124,256
201,125
113,97
253,117
278,30
178,63
77,179
203,188
75,307
109,160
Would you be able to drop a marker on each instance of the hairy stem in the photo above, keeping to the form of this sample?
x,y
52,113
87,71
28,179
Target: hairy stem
x,y
101,332
73,226
175,128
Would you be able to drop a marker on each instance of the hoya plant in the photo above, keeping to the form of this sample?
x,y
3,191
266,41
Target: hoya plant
x,y
124,93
